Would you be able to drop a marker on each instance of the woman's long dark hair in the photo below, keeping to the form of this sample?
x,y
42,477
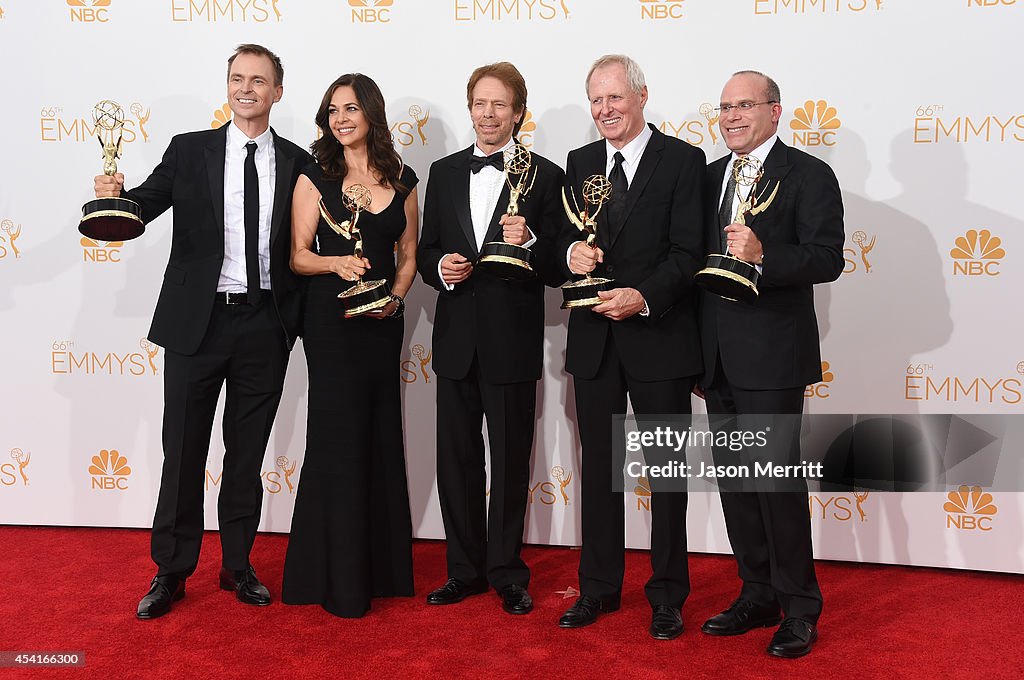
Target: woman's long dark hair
x,y
329,153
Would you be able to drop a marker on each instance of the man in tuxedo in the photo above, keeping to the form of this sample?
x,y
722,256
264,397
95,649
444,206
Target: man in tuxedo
x,y
760,355
641,340
488,340
228,311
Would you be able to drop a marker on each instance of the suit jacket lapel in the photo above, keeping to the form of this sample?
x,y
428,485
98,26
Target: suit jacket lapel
x,y
460,196
645,170
285,169
715,177
776,167
215,152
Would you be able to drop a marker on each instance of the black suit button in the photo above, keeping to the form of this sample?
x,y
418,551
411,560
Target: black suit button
x,y
610,269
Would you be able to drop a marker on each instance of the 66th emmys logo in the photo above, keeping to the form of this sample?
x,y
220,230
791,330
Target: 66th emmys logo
x,y
838,508
815,124
67,359
56,126
856,259
12,473
977,253
370,11
225,11
413,371
547,492
9,233
923,382
969,508
821,389
661,9
110,471
511,10
822,7
694,131
934,125
412,129
278,479
89,11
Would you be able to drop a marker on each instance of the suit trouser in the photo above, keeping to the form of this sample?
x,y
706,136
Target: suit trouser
x,y
770,532
244,346
602,560
484,542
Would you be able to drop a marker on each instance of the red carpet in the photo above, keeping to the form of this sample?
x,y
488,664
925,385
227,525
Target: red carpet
x,y
76,589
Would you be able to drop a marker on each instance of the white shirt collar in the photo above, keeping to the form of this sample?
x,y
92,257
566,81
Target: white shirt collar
x,y
632,152
761,152
508,145
238,139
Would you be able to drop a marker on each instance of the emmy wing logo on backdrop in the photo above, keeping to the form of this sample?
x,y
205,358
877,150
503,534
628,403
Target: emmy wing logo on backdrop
x,y
9,234
226,11
552,492
67,359
411,129
110,471
856,258
16,473
89,11
417,370
819,7
815,124
934,125
57,126
661,9
923,382
977,253
821,390
694,131
970,509
839,507
512,10
370,11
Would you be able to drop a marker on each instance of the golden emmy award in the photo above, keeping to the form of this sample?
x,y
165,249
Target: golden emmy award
x,y
723,274
363,296
507,260
596,192
112,218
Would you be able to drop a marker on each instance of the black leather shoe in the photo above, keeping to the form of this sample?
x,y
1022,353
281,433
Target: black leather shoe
x,y
247,587
454,591
793,639
666,622
584,612
742,616
162,592
515,599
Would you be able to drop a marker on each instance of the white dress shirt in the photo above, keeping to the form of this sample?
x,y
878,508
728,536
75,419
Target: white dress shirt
x,y
760,153
232,272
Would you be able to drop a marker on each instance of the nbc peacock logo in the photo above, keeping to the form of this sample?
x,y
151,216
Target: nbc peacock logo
x,y
110,471
977,253
661,9
815,124
221,116
970,508
370,11
101,252
528,129
642,491
821,390
89,11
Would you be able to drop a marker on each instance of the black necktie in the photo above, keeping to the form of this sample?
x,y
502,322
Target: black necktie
x,y
620,186
252,225
495,160
725,215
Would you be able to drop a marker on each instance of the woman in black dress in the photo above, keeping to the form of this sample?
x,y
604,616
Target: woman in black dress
x,y
351,537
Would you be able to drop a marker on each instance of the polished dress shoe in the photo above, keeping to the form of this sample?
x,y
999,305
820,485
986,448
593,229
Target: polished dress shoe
x,y
515,599
793,639
247,587
454,591
584,612
742,616
162,592
666,622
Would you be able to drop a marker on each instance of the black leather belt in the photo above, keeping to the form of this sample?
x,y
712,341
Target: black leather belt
x,y
233,298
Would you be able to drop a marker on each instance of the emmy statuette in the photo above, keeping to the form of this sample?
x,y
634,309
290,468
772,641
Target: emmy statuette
x,y
596,192
112,218
507,260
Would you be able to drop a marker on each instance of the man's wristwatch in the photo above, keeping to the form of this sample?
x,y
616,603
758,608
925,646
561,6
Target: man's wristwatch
x,y
400,309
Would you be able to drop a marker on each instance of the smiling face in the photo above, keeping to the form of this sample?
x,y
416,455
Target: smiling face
x,y
346,119
251,89
492,112
617,110
744,131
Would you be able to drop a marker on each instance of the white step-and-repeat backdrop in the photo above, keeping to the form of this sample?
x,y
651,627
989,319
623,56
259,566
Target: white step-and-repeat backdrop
x,y
913,103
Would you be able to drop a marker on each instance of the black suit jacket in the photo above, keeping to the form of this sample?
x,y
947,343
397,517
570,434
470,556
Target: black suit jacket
x,y
772,343
657,249
501,322
190,179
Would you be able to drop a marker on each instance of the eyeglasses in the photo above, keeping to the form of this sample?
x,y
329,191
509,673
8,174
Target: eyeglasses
x,y
742,106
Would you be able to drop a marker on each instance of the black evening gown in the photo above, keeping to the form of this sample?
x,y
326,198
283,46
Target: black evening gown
x,y
351,536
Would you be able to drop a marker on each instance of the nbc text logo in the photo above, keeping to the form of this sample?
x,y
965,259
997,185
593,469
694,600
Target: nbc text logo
x,y
815,124
923,383
511,10
371,11
547,492
54,126
411,130
661,9
89,11
412,371
991,3
65,359
230,11
977,253
12,473
838,508
100,251
857,258
932,128
819,6
969,509
109,471
642,490
9,233
821,389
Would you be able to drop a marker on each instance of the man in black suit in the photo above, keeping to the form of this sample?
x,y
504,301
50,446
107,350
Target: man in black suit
x,y
488,340
228,311
759,356
641,340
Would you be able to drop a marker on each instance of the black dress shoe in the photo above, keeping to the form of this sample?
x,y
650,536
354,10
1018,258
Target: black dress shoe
x,y
454,591
793,639
584,612
666,622
247,587
742,616
515,599
162,592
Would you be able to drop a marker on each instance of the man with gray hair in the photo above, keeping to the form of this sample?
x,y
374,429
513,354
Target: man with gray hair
x,y
641,341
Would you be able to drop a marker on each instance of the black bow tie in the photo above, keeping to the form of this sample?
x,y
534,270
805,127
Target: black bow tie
x,y
496,160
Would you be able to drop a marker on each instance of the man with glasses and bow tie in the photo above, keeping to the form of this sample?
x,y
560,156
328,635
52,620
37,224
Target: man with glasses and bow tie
x,y
488,340
759,355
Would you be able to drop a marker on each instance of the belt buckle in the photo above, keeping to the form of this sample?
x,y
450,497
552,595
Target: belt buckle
x,y
234,298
